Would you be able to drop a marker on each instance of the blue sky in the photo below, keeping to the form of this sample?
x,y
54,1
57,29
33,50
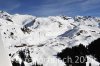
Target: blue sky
x,y
52,7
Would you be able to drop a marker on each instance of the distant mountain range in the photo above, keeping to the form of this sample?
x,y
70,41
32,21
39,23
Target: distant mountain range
x,y
33,41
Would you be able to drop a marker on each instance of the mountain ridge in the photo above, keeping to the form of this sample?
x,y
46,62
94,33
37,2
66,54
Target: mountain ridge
x,y
46,36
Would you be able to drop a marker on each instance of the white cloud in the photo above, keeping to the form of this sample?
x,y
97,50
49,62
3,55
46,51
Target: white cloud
x,y
90,5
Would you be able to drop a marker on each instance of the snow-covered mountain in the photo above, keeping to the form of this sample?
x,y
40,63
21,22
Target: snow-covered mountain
x,y
35,40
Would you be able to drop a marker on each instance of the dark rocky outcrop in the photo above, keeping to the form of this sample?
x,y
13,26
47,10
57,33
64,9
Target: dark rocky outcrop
x,y
75,56
79,53
94,49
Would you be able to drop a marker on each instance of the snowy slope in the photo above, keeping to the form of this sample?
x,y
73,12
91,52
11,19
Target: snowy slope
x,y
43,37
